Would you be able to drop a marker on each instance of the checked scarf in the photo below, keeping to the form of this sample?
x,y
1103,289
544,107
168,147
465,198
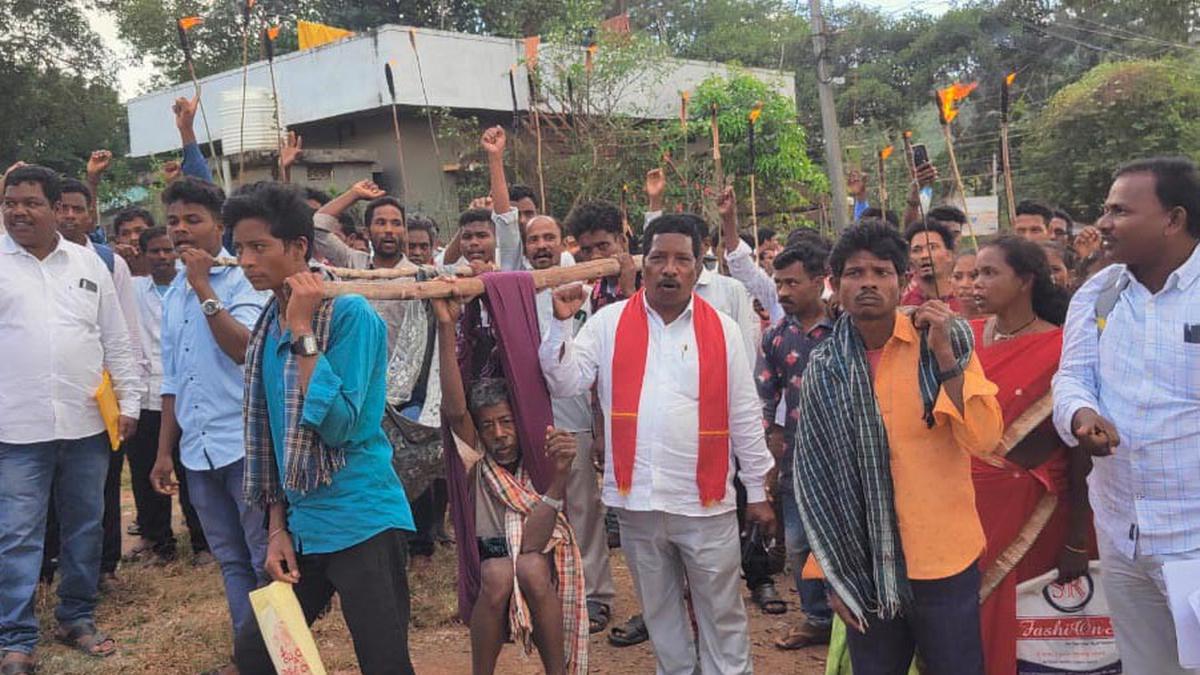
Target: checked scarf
x,y
309,463
519,498
843,478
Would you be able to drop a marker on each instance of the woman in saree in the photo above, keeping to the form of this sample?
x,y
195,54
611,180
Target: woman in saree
x,y
1032,497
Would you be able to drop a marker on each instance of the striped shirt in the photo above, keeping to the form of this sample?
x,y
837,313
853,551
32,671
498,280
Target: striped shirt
x,y
1143,374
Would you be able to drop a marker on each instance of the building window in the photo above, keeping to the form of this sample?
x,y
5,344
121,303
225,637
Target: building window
x,y
319,173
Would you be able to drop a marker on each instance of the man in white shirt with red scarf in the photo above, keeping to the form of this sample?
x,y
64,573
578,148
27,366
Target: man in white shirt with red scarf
x,y
669,472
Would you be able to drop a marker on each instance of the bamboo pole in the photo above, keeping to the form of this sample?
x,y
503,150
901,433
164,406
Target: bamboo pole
x,y
402,271
1005,153
883,191
719,169
470,287
958,182
1006,163
391,84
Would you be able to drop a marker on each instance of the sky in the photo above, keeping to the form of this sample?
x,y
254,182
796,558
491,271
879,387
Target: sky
x,y
134,74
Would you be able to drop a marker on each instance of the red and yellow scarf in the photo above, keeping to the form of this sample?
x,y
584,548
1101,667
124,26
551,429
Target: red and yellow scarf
x,y
628,372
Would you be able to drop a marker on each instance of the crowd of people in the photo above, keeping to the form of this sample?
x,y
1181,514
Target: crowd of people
x,y
921,417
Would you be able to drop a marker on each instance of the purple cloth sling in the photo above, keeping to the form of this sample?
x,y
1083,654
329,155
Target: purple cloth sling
x,y
512,311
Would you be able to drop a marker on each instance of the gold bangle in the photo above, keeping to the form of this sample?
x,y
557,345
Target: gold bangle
x,y
1072,549
275,532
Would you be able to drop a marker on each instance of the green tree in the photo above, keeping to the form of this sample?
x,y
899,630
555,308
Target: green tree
x,y
58,102
785,175
1116,113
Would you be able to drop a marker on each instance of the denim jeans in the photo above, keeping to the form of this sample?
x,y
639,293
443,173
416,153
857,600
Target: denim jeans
x,y
942,624
236,533
812,591
76,469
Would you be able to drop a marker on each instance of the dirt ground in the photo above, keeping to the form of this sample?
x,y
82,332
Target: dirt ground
x,y
172,619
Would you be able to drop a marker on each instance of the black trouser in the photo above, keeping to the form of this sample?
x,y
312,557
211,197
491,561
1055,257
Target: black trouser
x,y
428,510
371,580
111,553
154,509
756,563
942,624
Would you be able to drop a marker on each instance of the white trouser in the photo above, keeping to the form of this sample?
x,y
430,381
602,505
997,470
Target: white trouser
x,y
586,514
1141,617
669,551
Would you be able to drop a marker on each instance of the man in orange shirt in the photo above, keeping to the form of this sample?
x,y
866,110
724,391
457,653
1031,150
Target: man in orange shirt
x,y
894,407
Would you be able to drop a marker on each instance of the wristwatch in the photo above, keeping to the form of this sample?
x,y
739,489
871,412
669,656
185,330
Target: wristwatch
x,y
947,375
211,306
305,345
556,504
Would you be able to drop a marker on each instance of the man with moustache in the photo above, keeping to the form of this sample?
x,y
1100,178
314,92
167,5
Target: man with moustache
x,y
386,229
1127,392
931,259
62,329
77,218
893,408
671,444
421,240
799,281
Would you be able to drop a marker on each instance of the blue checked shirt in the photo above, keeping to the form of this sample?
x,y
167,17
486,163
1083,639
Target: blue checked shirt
x,y
206,383
1143,374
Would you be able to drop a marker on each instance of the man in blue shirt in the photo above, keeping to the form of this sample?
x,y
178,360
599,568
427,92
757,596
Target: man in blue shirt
x,y
207,315
317,457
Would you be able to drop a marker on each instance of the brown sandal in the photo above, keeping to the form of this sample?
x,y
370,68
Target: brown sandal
x,y
804,635
86,639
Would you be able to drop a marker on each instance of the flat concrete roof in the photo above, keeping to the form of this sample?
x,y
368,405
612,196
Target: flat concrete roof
x,y
461,71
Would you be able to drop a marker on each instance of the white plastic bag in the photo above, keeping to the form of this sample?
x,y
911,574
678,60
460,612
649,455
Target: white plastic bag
x,y
1065,628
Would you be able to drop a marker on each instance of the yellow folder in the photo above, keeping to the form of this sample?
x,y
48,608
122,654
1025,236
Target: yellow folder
x,y
110,410
284,630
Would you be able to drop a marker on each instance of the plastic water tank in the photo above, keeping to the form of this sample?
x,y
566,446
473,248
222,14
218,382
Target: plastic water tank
x,y
259,132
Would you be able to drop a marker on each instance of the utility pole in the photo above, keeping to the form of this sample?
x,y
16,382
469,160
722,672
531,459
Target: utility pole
x,y
829,122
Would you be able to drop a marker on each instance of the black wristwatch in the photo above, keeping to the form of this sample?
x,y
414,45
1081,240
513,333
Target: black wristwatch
x,y
947,375
305,345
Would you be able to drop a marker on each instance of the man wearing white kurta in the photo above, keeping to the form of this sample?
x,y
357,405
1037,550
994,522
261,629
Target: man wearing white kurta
x,y
667,533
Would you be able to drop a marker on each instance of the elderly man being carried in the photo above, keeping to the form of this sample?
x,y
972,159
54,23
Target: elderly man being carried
x,y
532,584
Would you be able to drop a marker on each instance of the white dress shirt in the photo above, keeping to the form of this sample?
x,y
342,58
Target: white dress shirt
x,y
509,253
60,328
744,268
1143,374
150,311
127,297
728,296
664,471
572,413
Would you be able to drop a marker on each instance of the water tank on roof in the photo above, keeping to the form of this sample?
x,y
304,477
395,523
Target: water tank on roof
x,y
259,131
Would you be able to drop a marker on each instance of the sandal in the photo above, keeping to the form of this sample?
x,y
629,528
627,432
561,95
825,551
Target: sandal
x,y
598,616
803,636
17,663
86,639
632,632
768,600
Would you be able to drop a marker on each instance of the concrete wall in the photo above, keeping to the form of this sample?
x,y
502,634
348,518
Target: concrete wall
x,y
461,71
